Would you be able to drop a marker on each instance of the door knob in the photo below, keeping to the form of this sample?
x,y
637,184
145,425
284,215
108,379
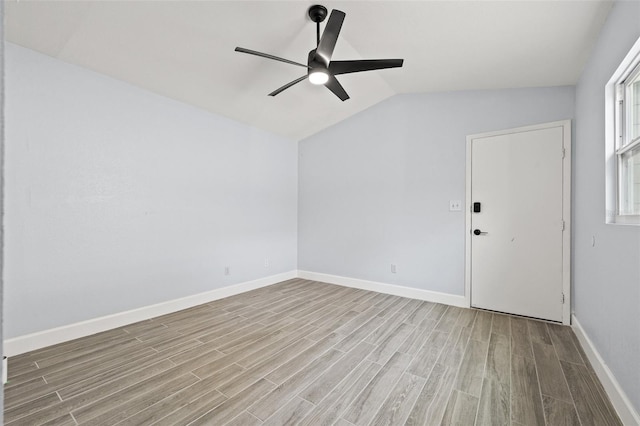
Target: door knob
x,y
478,232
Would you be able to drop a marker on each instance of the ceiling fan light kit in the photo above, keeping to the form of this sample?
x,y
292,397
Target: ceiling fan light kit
x,y
318,77
320,68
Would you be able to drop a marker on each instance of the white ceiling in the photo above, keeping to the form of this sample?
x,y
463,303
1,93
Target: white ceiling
x,y
185,49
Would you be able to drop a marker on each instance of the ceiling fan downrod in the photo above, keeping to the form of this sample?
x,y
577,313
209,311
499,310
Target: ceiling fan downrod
x,y
317,13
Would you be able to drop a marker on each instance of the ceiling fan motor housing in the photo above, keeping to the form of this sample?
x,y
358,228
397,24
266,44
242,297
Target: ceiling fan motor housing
x,y
313,63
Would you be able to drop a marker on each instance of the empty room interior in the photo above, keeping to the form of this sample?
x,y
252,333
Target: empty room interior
x,y
340,213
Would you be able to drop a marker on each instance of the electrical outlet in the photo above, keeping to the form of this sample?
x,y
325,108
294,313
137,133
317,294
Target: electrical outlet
x,y
393,268
227,270
266,263
455,205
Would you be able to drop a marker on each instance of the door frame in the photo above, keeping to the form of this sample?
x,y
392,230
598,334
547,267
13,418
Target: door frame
x,y
566,208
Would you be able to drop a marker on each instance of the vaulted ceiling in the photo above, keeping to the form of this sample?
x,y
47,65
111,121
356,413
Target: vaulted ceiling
x,y
185,49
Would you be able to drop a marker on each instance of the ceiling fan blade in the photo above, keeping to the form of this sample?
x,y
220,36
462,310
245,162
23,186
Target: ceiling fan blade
x,y
266,55
286,86
336,88
346,67
330,37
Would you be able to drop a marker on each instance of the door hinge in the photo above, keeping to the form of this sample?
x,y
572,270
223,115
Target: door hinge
x,y
562,225
564,152
563,298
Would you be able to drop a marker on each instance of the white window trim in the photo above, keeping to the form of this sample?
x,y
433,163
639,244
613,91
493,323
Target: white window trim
x,y
612,129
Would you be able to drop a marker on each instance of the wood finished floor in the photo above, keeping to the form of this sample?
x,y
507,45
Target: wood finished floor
x,y
308,353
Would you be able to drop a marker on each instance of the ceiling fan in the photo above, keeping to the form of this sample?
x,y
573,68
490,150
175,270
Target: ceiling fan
x,y
320,68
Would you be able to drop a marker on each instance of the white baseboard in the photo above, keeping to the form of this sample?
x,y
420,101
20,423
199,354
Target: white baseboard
x,y
41,339
619,399
396,290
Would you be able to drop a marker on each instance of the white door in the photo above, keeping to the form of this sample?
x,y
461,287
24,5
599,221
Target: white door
x,y
518,221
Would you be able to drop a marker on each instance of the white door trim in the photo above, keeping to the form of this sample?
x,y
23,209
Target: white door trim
x,y
566,210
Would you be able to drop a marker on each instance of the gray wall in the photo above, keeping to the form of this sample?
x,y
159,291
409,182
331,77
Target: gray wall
x,y
1,202
606,276
117,198
375,189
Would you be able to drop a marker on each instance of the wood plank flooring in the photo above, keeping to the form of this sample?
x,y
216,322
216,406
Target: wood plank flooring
x,y
308,353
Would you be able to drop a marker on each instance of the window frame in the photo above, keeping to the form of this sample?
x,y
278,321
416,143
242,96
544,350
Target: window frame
x,y
624,142
618,141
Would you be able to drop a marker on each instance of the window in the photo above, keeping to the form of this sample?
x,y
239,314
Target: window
x,y
628,143
623,141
